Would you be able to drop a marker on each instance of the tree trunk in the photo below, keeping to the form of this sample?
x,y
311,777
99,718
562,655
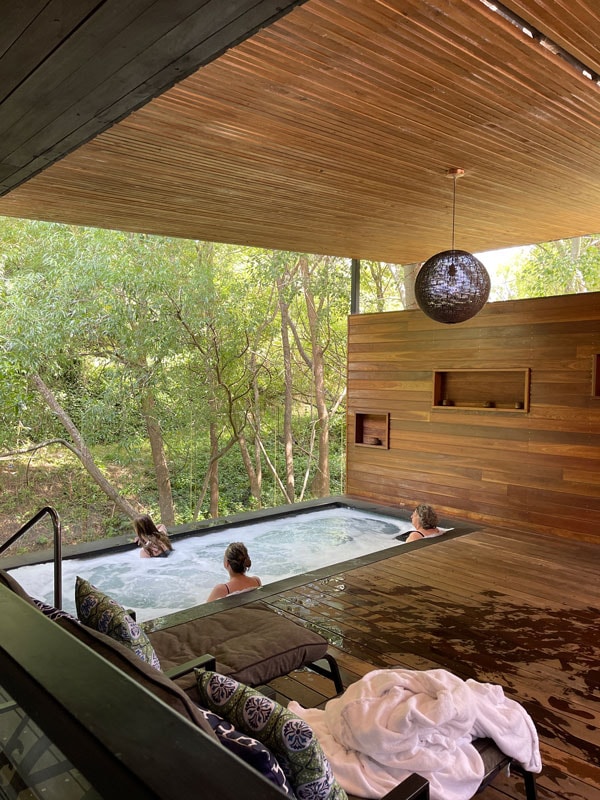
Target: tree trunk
x,y
254,479
410,275
161,469
258,429
81,449
321,482
288,436
376,269
213,477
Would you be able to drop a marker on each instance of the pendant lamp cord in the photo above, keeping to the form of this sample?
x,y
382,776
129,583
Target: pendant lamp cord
x,y
453,208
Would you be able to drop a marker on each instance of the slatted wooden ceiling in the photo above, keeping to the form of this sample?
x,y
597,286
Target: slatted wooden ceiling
x,y
331,130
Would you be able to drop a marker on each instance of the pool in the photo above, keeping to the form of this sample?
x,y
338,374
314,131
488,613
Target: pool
x,y
280,547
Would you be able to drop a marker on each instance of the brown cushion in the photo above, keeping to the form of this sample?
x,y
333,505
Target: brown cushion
x,y
250,643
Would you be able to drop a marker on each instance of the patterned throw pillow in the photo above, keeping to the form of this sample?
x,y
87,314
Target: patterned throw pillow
x,y
100,612
52,612
250,750
290,738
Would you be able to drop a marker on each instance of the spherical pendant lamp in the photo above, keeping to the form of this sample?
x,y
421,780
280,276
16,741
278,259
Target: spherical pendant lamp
x,y
452,286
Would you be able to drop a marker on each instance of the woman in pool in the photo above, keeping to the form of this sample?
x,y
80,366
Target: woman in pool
x,y
153,539
236,562
425,523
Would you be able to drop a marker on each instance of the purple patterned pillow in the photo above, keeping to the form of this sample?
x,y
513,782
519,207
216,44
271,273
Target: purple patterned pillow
x,y
288,736
100,612
53,613
247,748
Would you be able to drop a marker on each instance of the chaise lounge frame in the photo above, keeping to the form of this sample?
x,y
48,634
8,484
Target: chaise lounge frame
x,y
106,710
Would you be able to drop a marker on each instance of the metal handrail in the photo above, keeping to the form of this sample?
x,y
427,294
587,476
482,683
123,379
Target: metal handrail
x,y
57,547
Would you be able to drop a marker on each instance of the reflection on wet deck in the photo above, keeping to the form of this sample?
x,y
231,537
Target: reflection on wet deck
x,y
512,608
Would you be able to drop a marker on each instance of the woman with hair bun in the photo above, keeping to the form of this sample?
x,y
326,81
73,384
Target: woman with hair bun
x,y
236,562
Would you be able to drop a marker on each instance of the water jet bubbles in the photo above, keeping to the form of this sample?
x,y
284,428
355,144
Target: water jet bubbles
x,y
280,547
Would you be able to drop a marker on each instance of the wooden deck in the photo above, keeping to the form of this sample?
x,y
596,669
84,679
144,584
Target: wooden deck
x,y
501,607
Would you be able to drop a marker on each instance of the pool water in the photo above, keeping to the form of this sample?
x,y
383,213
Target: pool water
x,y
279,548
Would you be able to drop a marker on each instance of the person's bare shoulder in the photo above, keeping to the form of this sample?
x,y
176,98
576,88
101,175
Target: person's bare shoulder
x,y
219,591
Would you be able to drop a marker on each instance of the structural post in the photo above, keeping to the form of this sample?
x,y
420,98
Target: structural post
x,y
355,287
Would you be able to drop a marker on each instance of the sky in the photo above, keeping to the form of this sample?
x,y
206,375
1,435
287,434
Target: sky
x,y
492,259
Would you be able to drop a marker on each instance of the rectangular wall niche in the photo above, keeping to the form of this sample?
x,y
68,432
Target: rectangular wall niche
x,y
372,429
482,389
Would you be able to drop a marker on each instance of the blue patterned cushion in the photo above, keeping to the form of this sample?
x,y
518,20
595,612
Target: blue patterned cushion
x,y
290,738
250,750
100,612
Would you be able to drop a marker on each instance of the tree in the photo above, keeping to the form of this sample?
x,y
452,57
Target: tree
x,y
387,287
98,308
566,266
80,448
316,361
313,299
125,340
283,281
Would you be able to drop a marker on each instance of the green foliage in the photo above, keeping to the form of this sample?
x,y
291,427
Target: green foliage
x,y
110,320
53,476
382,287
129,330
566,266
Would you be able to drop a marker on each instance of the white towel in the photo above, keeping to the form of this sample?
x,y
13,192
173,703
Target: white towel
x,y
394,722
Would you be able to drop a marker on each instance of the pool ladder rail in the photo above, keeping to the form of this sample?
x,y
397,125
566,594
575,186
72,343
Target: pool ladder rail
x,y
53,514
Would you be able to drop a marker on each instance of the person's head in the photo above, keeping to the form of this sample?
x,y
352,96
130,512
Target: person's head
x,y
426,516
237,557
144,526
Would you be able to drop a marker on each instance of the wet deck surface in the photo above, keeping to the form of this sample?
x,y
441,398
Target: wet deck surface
x,y
516,609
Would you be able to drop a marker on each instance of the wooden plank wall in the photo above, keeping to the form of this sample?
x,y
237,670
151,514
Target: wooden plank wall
x,y
539,469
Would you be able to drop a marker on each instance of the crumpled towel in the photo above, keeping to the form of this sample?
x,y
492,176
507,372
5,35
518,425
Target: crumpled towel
x,y
394,722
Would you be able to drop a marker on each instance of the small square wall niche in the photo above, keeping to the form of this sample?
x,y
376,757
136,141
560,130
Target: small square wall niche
x,y
372,429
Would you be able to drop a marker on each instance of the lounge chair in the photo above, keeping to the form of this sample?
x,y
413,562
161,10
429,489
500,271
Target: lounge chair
x,y
160,686
494,762
251,644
